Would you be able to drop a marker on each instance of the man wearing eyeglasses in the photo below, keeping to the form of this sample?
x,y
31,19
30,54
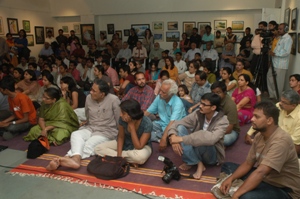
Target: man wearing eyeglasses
x,y
198,138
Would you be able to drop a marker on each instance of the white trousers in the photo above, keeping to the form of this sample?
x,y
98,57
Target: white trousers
x,y
83,143
132,156
280,77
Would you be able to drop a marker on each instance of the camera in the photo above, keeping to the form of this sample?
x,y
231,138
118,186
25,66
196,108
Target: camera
x,y
171,171
266,33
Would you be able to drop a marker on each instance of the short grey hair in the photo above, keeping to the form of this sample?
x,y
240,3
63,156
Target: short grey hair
x,y
292,96
173,86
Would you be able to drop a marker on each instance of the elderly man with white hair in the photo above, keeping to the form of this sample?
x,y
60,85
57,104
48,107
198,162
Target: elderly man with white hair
x,y
169,107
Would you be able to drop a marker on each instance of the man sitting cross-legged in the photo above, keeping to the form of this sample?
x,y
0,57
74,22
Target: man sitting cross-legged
x,y
198,138
102,111
169,107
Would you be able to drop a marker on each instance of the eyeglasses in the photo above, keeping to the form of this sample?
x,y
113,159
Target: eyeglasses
x,y
203,104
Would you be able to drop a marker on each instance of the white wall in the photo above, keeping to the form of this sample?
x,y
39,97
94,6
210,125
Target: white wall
x,y
36,11
122,22
294,59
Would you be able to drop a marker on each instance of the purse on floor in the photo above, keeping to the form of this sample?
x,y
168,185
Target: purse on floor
x,y
108,167
38,147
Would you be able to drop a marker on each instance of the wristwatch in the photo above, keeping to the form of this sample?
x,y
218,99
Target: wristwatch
x,y
14,122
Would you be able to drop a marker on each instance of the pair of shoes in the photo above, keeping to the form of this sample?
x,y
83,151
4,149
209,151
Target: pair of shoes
x,y
8,135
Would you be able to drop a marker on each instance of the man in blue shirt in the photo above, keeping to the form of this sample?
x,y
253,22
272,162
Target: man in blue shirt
x,y
207,37
169,107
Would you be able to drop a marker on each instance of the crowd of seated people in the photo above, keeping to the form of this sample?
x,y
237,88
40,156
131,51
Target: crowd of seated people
x,y
122,95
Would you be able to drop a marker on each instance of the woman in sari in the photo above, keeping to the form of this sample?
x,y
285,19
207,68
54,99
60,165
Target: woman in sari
x,y
133,141
57,120
245,98
48,82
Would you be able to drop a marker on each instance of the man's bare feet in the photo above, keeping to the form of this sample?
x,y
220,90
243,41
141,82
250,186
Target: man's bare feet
x,y
53,165
200,169
185,167
70,162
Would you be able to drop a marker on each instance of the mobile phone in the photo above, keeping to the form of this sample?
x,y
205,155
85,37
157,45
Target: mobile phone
x,y
2,147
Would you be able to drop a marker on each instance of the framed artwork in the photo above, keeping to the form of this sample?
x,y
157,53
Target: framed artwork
x,y
202,25
223,33
294,19
287,16
237,25
220,24
76,28
39,34
1,26
30,40
172,36
188,28
65,28
239,36
298,42
158,37
26,25
12,25
119,33
294,45
126,32
173,25
86,30
140,29
158,26
110,29
49,28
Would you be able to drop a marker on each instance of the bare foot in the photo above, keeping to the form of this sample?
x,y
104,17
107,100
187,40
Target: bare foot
x,y
70,162
53,165
200,169
185,167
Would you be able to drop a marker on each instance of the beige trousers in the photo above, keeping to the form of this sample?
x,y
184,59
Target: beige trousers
x,y
132,156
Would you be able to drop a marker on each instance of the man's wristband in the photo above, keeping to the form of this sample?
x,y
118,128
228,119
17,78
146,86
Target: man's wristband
x,y
13,122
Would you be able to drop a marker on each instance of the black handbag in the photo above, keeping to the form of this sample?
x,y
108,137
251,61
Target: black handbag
x,y
108,168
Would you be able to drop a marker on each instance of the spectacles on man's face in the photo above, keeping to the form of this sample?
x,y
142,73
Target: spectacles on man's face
x,y
203,104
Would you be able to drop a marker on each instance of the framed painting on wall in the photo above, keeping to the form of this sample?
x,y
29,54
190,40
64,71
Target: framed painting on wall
x,y
119,32
158,37
294,19
158,26
298,42
140,29
202,25
237,25
172,36
86,30
65,29
76,28
173,25
39,34
239,36
126,32
188,28
110,29
287,16
30,40
1,26
294,45
26,25
220,24
12,25
51,29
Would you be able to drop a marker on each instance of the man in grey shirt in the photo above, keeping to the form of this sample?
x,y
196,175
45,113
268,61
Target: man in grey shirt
x,y
4,107
102,111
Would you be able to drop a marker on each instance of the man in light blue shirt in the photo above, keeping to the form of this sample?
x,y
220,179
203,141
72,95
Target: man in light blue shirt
x,y
280,59
207,37
169,107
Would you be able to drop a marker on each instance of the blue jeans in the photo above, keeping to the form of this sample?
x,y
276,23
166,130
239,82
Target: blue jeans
x,y
193,155
263,190
229,139
157,132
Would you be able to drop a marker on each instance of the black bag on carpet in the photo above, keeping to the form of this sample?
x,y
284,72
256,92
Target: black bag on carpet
x,y
108,168
38,147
